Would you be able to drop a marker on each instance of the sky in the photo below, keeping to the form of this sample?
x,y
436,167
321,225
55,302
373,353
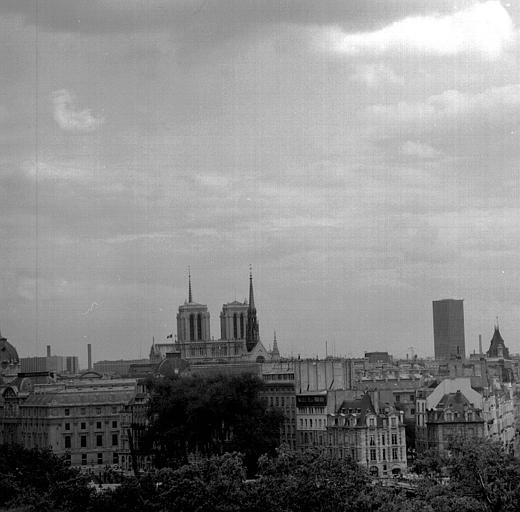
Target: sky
x,y
361,155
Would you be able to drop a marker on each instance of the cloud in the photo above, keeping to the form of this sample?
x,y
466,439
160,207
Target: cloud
x,y
485,28
69,118
494,103
419,150
374,75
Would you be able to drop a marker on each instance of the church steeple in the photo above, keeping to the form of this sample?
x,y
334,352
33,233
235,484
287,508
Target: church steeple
x,y
190,297
252,336
251,294
275,353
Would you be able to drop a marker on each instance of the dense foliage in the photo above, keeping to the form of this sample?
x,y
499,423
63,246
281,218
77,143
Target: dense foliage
x,y
477,477
202,417
38,480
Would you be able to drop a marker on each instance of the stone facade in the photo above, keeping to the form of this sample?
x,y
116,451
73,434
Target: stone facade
x,y
375,440
78,419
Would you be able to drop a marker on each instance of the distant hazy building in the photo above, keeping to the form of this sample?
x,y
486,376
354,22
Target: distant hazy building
x,y
497,346
58,364
323,374
9,360
120,367
448,329
378,357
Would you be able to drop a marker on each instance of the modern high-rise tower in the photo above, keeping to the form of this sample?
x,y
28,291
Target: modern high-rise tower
x,y
448,329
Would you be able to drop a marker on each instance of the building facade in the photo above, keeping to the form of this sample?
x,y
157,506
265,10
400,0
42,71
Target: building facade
x,y
374,439
279,393
456,408
78,419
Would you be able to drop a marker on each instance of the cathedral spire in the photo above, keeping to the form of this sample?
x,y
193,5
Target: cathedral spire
x,y
275,352
252,336
190,298
251,295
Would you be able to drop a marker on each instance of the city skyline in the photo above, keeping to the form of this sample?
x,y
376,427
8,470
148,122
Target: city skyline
x,y
361,157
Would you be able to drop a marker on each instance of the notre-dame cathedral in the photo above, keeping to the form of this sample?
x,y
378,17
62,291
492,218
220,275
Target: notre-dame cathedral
x,y
239,334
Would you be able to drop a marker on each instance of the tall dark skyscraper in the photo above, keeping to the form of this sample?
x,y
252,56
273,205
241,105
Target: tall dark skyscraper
x,y
448,329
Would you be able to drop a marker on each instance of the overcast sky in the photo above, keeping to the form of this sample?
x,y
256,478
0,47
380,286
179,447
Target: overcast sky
x,y
361,155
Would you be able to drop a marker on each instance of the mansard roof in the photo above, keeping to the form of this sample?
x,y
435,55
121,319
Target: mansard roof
x,y
363,405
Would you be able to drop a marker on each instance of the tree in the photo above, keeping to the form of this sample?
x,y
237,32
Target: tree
x,y
204,417
38,479
484,470
308,481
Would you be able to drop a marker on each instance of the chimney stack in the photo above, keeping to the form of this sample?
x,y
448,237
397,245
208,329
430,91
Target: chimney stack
x,y
89,352
48,351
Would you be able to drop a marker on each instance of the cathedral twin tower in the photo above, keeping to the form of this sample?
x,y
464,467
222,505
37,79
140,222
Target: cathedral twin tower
x,y
238,321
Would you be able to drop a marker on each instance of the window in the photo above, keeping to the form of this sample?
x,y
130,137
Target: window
x,y
412,398
372,441
114,440
394,454
83,459
310,423
384,454
98,410
412,411
83,441
397,398
383,439
99,440
100,458
67,442
371,422
67,459
393,422
67,412
82,411
98,425
115,458
373,455
67,426
83,425
114,424
394,438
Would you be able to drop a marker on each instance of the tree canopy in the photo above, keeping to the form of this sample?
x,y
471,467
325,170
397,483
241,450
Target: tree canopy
x,y
201,417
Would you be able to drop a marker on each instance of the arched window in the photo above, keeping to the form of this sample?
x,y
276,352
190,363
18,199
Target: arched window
x,y
242,334
235,327
192,327
199,326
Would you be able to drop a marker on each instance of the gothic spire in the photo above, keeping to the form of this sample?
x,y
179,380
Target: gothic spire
x,y
190,298
251,295
252,336
275,350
